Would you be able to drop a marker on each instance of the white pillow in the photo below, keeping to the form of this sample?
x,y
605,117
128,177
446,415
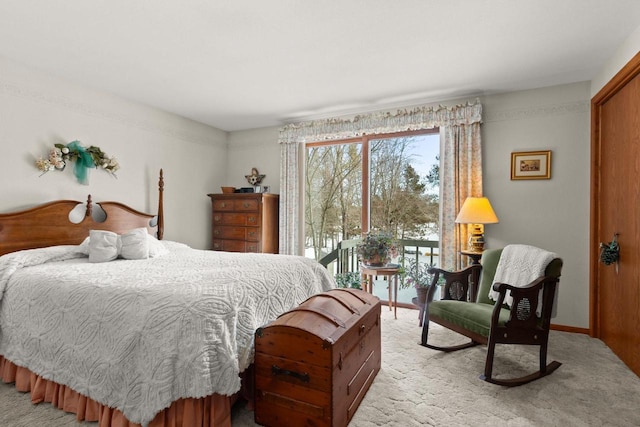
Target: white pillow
x,y
156,247
106,246
103,246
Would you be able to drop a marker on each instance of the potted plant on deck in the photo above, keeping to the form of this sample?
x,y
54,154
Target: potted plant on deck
x,y
377,248
417,274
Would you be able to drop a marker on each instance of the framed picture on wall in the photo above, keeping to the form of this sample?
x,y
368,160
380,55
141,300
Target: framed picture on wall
x,y
531,165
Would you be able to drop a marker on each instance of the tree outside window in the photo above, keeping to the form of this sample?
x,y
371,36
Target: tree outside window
x,y
402,188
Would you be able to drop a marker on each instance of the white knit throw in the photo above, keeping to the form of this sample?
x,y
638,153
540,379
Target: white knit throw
x,y
518,266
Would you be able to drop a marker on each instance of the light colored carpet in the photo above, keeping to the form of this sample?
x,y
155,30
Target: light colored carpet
x,y
421,387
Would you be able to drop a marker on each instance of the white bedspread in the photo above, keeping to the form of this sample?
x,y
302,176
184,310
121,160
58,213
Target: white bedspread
x,y
138,335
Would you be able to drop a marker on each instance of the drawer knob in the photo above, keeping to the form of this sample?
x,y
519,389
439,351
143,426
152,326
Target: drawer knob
x,y
252,219
223,204
216,232
245,205
216,218
252,234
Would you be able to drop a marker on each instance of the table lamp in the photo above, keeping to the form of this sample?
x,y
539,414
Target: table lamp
x,y
476,211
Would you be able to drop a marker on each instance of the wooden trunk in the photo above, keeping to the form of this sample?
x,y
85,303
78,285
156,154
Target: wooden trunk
x,y
315,363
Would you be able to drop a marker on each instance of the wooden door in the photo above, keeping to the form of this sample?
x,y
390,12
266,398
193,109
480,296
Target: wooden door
x,y
615,289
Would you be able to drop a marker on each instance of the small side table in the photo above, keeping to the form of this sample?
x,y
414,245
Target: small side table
x,y
474,255
389,271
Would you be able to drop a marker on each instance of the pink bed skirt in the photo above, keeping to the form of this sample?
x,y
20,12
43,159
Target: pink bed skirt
x,y
210,411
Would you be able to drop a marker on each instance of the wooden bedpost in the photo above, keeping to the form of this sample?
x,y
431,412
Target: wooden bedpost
x,y
160,206
89,209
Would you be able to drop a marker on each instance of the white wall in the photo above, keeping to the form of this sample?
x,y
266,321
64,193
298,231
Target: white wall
x,y
256,148
552,214
619,59
38,110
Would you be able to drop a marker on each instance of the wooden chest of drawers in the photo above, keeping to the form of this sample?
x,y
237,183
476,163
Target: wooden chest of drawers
x,y
315,363
244,222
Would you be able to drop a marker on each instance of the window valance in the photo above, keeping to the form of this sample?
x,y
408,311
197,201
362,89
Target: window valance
x,y
424,117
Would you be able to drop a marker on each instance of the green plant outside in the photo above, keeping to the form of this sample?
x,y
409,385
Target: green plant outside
x,y
377,244
351,280
416,274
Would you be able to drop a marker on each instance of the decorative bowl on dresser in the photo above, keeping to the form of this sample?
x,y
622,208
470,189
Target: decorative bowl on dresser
x,y
228,190
244,222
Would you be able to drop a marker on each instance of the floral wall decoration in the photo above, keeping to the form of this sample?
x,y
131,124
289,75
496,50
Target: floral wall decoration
x,y
84,158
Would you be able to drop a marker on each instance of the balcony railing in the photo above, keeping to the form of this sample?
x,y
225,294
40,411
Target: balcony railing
x,y
343,263
345,258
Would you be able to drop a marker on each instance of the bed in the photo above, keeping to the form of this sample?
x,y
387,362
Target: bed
x,y
157,340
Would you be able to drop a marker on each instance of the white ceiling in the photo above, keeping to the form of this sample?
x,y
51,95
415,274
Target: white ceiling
x,y
241,64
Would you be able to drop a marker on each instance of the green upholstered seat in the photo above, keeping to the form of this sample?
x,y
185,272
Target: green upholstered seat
x,y
475,317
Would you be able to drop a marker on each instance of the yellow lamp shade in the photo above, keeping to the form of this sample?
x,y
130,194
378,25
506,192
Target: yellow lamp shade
x,y
476,210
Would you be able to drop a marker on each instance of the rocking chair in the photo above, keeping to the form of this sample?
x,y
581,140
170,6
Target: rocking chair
x,y
468,310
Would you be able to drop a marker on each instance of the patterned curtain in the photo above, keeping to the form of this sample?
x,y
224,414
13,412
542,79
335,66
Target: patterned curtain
x,y
291,212
460,177
294,136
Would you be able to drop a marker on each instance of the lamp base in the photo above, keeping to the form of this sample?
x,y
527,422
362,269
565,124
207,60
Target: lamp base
x,y
476,243
476,238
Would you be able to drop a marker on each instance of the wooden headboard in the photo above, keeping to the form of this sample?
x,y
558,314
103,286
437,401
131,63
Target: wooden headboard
x,y
49,224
